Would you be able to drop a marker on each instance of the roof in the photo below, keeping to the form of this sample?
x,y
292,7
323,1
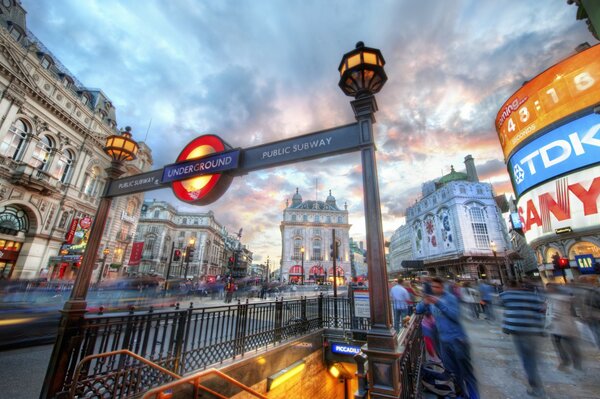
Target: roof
x,y
315,206
453,176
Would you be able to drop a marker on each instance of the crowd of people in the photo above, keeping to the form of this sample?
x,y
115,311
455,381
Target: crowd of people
x,y
566,313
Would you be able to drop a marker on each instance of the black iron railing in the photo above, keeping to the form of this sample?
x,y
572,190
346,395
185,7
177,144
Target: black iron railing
x,y
185,340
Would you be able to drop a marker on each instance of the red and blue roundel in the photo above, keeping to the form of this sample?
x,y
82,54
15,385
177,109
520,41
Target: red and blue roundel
x,y
202,190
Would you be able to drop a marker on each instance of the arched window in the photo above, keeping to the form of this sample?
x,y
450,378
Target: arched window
x,y
184,221
297,247
41,153
62,166
316,250
13,144
293,218
550,252
149,247
479,227
92,181
584,248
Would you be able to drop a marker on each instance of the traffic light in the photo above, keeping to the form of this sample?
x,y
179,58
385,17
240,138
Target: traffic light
x,y
563,263
332,252
231,260
176,255
190,253
335,251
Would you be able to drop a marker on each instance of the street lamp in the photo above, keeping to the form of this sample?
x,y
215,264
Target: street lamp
x,y
106,251
120,148
361,76
302,254
268,268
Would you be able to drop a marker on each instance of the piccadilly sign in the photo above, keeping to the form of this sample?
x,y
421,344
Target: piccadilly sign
x,y
569,147
206,166
344,349
559,92
570,201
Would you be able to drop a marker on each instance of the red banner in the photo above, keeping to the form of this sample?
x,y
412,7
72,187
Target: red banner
x,y
136,253
72,230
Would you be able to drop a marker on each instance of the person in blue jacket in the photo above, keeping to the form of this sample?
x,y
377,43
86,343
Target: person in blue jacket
x,y
454,345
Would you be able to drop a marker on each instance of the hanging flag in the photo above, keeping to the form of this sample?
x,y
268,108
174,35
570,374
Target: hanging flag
x,y
136,253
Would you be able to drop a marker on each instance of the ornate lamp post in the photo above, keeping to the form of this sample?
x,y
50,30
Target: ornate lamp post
x,y
302,254
361,76
120,148
106,251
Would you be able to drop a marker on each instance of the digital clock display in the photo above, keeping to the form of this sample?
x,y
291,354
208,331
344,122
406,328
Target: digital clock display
x,y
563,89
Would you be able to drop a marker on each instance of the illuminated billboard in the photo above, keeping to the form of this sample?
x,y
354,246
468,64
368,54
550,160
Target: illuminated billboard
x,y
569,202
566,88
572,146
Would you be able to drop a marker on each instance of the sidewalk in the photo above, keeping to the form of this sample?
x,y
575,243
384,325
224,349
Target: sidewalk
x,y
501,375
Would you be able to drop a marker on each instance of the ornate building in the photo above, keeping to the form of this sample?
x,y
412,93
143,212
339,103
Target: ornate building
x,y
306,232
165,230
400,248
52,133
457,229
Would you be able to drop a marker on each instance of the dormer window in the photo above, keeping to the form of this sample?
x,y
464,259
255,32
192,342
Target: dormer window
x,y
68,82
85,99
46,62
16,32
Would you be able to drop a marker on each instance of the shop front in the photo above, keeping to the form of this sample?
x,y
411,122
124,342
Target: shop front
x,y
9,252
64,267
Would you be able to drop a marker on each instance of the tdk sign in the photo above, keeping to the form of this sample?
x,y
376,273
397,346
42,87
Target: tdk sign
x,y
342,349
569,147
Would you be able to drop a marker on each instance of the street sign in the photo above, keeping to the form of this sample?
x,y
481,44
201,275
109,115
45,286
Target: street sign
x,y
362,306
202,166
302,148
136,184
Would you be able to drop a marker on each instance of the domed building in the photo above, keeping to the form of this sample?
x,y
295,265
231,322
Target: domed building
x,y
306,232
456,229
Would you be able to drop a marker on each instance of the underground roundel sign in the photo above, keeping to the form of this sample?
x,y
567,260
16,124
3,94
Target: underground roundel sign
x,y
196,176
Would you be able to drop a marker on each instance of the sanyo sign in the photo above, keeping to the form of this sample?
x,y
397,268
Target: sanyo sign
x,y
572,146
570,201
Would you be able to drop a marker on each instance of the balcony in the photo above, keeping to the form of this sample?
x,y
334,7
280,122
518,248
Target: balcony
x,y
31,178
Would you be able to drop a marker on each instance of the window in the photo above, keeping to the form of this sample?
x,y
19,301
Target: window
x,y
479,227
317,232
92,181
156,214
293,218
63,220
62,166
16,32
149,247
68,82
297,247
41,153
46,62
463,190
317,218
328,219
85,99
305,218
316,250
479,190
182,234
340,219
184,221
14,141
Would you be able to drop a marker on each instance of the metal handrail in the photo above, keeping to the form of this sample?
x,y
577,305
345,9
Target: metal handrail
x,y
113,353
195,380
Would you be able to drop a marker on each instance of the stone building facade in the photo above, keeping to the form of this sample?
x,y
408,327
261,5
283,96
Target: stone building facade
x,y
457,228
52,133
164,230
306,232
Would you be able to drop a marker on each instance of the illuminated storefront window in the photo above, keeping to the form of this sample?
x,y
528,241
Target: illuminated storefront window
x,y
584,248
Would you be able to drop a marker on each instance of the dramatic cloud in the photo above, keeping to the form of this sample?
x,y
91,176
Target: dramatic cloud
x,y
259,71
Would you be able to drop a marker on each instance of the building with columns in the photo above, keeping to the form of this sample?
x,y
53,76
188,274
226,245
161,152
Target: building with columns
x,y
457,228
165,230
306,233
52,164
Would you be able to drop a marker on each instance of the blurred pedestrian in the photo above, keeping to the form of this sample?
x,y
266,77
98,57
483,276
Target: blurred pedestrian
x,y
590,306
412,295
524,320
562,327
229,290
487,299
400,299
455,350
470,297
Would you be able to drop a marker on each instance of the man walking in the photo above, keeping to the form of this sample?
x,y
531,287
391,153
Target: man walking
x,y
400,298
524,321
455,350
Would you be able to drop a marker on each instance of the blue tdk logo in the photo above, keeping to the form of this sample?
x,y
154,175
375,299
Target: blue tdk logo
x,y
566,148
345,349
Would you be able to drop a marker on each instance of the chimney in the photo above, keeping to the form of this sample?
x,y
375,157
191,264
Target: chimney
x,y
471,171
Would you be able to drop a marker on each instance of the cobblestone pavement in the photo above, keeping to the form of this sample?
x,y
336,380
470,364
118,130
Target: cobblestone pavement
x,y
501,375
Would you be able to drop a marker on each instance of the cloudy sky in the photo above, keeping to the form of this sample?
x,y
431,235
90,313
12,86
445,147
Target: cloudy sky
x,y
258,71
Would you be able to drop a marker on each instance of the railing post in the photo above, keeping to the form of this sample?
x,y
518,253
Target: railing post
x,y
184,319
278,319
320,310
303,317
240,328
361,375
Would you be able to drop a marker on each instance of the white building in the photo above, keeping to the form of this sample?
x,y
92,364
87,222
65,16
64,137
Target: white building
x,y
457,229
400,248
52,164
306,233
164,230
